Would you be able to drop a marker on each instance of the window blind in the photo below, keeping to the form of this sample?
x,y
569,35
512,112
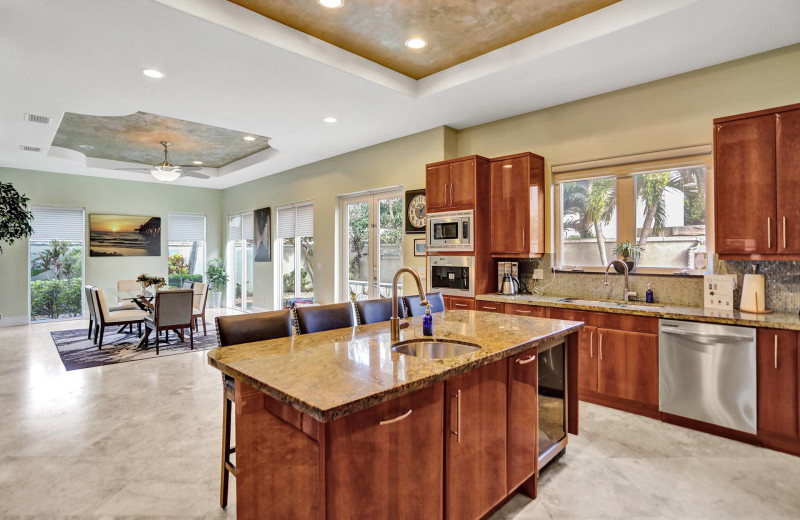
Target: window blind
x,y
235,227
52,223
247,226
295,221
187,228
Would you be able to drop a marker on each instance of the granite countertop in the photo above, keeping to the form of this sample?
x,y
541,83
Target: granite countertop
x,y
334,373
777,320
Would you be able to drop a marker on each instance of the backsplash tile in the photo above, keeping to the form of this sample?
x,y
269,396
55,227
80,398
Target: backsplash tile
x,y
782,287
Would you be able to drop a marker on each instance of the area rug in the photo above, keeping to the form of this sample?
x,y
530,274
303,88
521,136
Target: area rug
x,y
78,352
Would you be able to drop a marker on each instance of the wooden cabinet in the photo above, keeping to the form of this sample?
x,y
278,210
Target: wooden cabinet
x,y
457,303
777,364
533,311
522,418
451,185
517,206
475,452
587,360
490,306
627,365
381,447
755,181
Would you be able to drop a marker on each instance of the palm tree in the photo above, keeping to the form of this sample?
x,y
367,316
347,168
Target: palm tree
x,y
650,188
590,206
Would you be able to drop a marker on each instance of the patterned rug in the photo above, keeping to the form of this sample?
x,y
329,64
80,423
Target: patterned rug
x,y
78,352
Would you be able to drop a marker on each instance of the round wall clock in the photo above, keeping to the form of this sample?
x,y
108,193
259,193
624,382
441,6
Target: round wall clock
x,y
415,211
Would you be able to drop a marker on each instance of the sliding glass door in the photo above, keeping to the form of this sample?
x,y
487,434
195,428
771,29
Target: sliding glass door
x,y
372,232
240,261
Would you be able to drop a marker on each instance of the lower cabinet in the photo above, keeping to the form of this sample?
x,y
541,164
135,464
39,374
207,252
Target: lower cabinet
x,y
526,310
777,383
457,303
627,365
587,360
475,445
490,306
523,452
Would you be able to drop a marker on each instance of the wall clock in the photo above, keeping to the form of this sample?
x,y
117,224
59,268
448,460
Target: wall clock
x,y
415,211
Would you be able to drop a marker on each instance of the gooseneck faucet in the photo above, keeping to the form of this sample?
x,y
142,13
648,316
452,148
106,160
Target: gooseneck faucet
x,y
627,286
394,322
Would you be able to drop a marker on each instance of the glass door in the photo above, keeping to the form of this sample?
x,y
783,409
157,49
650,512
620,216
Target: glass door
x,y
373,244
240,261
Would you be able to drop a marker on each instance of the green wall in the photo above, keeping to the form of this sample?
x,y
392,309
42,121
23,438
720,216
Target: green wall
x,y
98,195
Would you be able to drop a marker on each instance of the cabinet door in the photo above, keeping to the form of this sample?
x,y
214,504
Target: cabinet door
x,y
510,184
745,198
587,359
460,304
788,181
462,184
628,365
437,188
532,311
777,382
523,450
475,454
489,306
373,459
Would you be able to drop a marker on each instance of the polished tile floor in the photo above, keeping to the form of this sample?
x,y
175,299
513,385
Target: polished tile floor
x,y
141,440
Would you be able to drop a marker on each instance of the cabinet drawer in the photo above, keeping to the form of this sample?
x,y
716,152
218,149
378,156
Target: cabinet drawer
x,y
534,311
454,303
571,315
626,322
490,306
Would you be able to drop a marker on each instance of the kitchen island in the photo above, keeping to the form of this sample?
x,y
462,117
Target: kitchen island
x,y
338,425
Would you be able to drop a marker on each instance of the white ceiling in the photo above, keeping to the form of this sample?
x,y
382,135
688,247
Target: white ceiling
x,y
229,67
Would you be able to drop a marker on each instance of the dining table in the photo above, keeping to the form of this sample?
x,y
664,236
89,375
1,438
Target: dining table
x,y
144,300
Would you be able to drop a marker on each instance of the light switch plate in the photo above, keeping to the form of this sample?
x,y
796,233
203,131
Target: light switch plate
x,y
538,274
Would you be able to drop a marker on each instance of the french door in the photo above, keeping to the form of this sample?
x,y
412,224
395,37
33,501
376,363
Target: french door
x,y
240,261
372,250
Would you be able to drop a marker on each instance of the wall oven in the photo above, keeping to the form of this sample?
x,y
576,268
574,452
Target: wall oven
x,y
452,275
451,231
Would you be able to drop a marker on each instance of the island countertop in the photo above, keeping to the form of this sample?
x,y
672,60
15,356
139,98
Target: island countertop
x,y
331,374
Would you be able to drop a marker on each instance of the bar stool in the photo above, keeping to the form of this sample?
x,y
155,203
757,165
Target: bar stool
x,y
375,311
415,309
318,318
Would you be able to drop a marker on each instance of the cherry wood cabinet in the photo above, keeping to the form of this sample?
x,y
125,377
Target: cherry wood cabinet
x,y
490,306
627,365
788,181
437,187
517,206
458,303
523,414
451,185
532,311
475,447
777,374
587,360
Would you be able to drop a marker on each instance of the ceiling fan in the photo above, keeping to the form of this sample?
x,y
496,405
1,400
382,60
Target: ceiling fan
x,y
168,172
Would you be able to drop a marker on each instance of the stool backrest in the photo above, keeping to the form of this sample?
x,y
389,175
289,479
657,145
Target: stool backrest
x,y
317,318
174,308
247,328
415,309
374,311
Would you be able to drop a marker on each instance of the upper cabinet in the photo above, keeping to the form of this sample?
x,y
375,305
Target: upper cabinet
x,y
517,206
756,178
450,185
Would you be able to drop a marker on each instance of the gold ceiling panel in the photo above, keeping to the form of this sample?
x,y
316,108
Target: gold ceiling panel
x,y
456,30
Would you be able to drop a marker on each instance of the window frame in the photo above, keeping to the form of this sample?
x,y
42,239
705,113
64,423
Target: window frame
x,y
278,249
624,170
205,239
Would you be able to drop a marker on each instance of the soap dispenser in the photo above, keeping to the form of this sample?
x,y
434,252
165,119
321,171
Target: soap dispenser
x,y
649,296
427,322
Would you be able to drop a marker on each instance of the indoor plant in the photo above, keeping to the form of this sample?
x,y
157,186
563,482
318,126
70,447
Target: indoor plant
x,y
628,253
217,278
15,219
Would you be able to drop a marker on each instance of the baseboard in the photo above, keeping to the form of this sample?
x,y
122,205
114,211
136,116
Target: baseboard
x,y
790,445
618,403
13,321
713,429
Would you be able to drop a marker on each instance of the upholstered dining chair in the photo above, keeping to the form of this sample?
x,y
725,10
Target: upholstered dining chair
x,y
128,286
187,284
415,309
374,311
104,317
199,305
234,330
172,311
316,318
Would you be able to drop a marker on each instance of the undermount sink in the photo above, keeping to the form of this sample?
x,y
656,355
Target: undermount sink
x,y
434,349
604,303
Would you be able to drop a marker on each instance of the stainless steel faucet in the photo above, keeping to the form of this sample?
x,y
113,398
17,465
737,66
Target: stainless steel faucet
x,y
394,322
628,292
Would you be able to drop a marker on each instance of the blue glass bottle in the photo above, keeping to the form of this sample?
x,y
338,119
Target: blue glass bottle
x,y
649,296
427,322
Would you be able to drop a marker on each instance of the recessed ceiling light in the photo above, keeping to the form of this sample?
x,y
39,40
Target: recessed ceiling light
x,y
416,43
249,138
332,4
152,73
330,119
86,146
197,162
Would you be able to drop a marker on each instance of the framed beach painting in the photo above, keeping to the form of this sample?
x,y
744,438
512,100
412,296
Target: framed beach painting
x,y
262,236
124,235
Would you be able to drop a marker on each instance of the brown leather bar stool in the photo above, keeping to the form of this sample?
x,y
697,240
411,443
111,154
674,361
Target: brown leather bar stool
x,y
415,309
375,311
234,330
316,318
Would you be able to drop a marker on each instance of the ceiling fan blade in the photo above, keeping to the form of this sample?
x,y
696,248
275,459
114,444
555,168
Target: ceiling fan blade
x,y
189,168
196,175
145,170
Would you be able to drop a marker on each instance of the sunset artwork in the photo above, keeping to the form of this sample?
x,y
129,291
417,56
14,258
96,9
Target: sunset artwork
x,y
124,235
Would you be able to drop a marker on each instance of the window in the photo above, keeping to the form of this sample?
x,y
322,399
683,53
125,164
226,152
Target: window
x,y
56,263
187,248
657,204
295,235
240,261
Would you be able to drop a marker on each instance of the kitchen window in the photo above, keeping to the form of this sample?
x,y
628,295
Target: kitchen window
x,y
656,201
187,248
295,268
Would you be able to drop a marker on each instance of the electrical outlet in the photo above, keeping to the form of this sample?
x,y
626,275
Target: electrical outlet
x,y
538,274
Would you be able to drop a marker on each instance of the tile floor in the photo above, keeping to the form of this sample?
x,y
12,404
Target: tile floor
x,y
141,440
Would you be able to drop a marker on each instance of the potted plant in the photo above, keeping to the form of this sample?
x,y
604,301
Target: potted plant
x,y
217,278
15,219
628,253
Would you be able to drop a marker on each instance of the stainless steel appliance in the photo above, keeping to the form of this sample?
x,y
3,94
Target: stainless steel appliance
x,y
552,400
510,285
511,269
707,372
452,275
451,231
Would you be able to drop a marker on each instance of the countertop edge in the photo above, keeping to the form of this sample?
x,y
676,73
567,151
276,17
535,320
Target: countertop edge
x,y
357,405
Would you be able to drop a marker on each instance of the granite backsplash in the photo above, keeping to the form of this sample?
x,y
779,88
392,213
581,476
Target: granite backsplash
x,y
782,283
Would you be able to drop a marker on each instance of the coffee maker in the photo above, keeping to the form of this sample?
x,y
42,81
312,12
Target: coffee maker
x,y
508,277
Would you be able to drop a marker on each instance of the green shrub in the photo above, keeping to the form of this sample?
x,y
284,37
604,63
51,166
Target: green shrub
x,y
176,280
52,299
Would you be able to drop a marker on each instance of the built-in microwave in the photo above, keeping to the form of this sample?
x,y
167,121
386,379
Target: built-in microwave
x,y
451,231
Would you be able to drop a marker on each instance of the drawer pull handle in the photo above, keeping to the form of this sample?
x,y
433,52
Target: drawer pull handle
x,y
487,308
460,304
526,361
396,419
519,311
776,352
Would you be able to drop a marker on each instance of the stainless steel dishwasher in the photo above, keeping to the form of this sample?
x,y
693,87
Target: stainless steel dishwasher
x,y
707,372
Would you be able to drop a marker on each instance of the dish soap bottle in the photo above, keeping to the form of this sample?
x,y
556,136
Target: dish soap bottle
x,y
649,297
427,322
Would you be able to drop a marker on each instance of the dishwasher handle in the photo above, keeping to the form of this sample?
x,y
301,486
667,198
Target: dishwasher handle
x,y
700,337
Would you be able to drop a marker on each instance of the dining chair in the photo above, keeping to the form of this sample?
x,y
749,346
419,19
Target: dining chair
x,y
104,317
187,284
199,305
234,330
415,309
172,311
317,318
128,286
90,303
374,311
